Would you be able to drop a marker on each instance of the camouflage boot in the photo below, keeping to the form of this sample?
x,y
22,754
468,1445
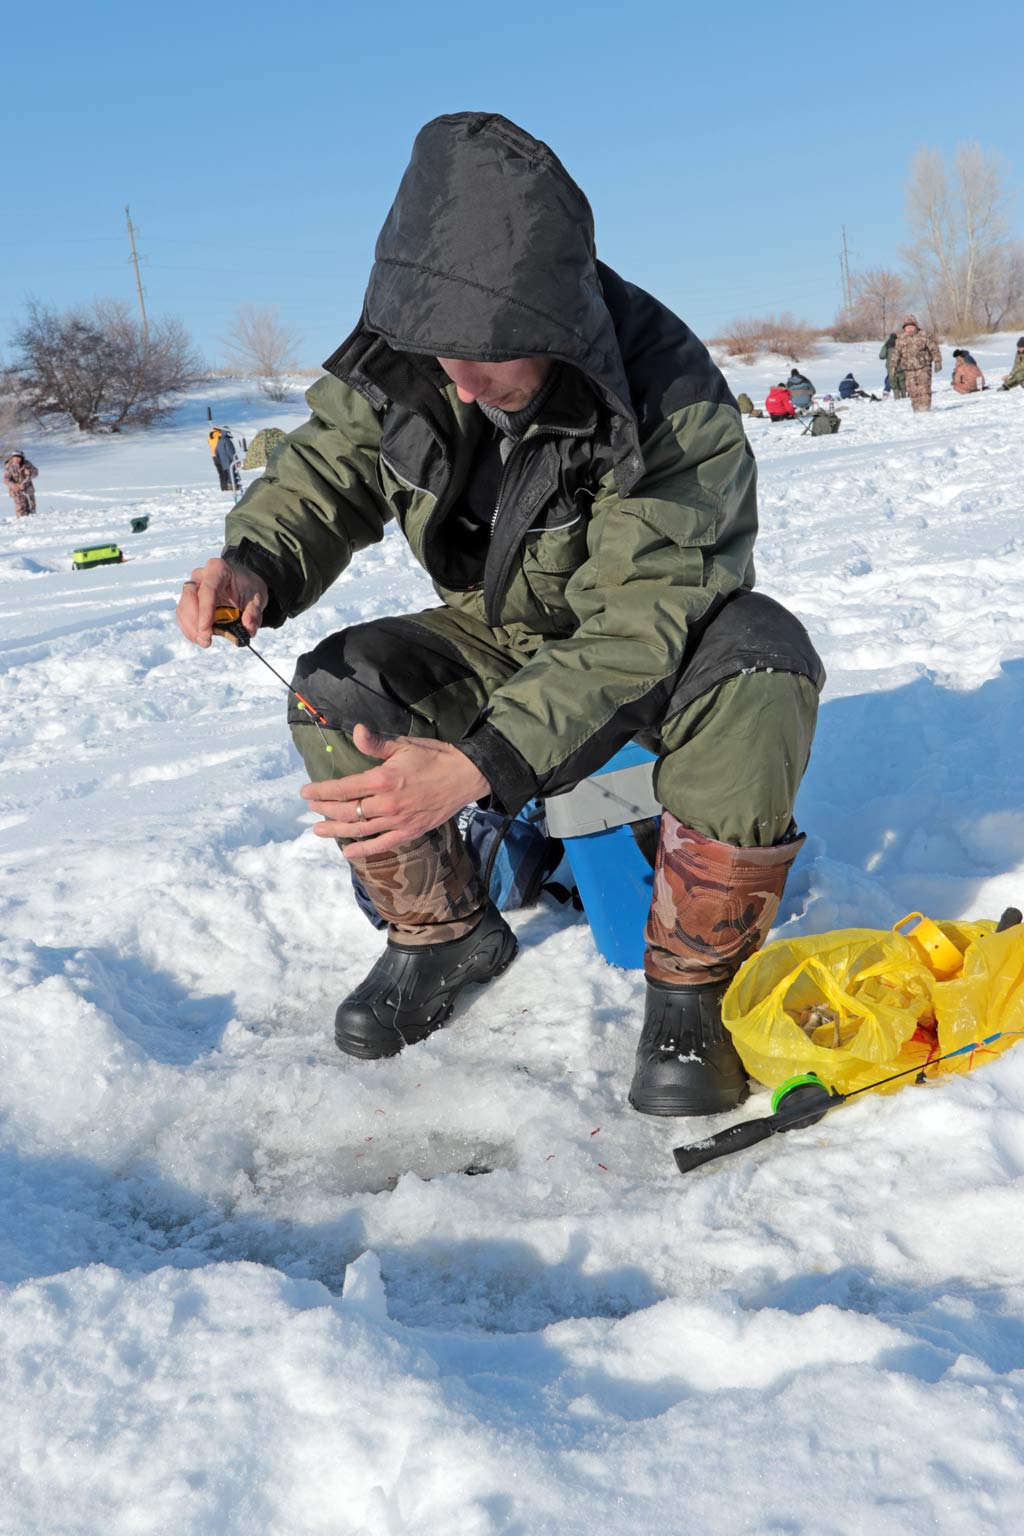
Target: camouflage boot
x,y
443,934
712,906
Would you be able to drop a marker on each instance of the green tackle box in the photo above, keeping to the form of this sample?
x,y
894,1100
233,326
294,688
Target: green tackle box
x,y
96,554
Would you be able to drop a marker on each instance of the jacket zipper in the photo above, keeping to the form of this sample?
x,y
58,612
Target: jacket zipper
x,y
540,432
439,500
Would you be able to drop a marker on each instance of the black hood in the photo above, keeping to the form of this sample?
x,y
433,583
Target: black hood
x,y
488,254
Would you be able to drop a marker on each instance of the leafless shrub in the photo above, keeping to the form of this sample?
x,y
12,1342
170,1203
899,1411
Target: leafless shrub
x,y
742,340
263,347
98,366
790,338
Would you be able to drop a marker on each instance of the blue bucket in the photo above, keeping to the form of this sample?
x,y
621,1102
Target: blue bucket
x,y
613,877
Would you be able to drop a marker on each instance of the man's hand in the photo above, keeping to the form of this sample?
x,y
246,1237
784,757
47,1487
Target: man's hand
x,y
419,785
218,584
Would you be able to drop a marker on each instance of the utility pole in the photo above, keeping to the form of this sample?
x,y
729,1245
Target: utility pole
x,y
844,270
138,279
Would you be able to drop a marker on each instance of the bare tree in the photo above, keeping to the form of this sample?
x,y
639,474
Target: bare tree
x,y
1001,287
880,298
10,421
97,366
957,220
260,344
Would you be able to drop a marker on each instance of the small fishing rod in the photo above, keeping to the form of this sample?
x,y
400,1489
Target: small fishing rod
x,y
228,622
803,1101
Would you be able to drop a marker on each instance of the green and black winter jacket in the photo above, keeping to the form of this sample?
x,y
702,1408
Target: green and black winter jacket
x,y
624,516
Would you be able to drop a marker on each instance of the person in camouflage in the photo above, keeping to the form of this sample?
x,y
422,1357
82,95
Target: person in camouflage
x,y
914,356
19,473
1015,378
570,468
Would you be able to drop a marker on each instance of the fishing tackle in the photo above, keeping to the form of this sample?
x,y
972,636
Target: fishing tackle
x,y
228,623
803,1101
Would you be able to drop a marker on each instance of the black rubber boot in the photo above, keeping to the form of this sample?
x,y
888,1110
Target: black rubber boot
x,y
412,989
686,1063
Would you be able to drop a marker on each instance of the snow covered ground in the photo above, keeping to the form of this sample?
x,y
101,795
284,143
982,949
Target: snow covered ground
x,y
246,1285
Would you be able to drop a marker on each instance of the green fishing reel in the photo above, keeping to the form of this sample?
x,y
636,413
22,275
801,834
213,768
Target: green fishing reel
x,y
796,1103
802,1096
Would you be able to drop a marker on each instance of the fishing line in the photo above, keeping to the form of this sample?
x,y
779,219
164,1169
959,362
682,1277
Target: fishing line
x,y
228,622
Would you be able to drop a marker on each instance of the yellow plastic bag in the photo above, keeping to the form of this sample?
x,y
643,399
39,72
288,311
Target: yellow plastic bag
x,y
987,998
881,1007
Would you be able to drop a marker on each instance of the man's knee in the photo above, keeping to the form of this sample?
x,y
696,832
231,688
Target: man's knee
x,y
737,730
376,674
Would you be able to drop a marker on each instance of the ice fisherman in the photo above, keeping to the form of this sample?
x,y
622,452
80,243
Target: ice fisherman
x,y
225,458
896,382
914,356
801,390
968,378
19,474
779,403
569,467
1015,378
849,389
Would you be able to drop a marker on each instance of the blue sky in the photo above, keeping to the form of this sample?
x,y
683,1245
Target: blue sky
x,y
722,147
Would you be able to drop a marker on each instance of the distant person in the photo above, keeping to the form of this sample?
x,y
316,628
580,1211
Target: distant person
x,y
746,406
894,381
225,458
19,473
915,355
779,403
849,389
1015,377
968,378
801,390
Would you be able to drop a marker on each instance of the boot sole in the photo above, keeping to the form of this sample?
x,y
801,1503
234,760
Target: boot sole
x,y
365,1050
676,1106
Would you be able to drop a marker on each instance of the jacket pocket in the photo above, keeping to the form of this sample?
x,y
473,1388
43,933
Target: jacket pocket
x,y
550,557
693,523
558,550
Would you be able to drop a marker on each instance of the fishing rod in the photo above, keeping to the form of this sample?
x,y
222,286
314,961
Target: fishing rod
x,y
228,622
803,1101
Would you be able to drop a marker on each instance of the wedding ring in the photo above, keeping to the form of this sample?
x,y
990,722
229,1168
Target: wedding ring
x,y
359,811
